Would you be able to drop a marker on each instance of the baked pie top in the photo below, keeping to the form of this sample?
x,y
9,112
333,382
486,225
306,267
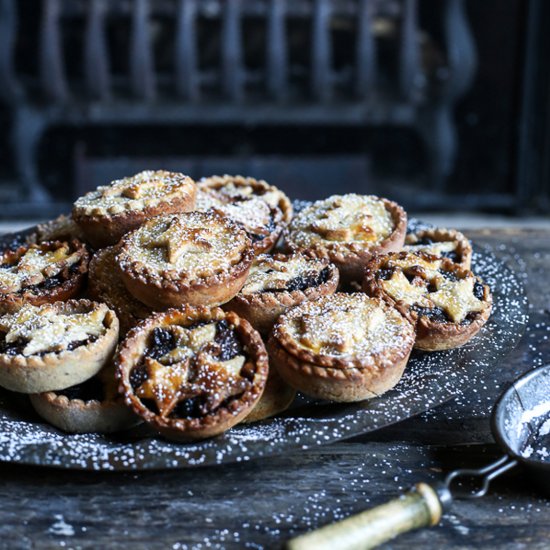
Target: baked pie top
x,y
351,218
136,193
51,328
350,327
191,245
38,264
432,287
237,188
442,243
192,365
285,274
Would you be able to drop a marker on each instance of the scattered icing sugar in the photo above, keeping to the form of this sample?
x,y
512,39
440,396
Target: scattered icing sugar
x,y
429,380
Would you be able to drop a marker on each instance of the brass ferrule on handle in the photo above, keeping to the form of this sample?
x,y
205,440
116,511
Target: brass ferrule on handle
x,y
420,507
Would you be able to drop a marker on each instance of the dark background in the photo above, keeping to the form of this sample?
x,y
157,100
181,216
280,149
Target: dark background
x,y
450,114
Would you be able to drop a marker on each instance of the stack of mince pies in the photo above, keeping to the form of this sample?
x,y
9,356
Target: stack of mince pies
x,y
195,306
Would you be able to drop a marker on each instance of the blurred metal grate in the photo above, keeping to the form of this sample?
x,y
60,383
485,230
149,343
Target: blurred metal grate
x,y
210,62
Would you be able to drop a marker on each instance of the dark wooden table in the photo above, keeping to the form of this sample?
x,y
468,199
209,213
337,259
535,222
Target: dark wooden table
x,y
263,503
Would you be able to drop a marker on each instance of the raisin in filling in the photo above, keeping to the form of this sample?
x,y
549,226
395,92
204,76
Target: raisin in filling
x,y
230,346
269,228
385,274
16,348
451,255
435,313
425,241
479,291
310,279
449,275
91,390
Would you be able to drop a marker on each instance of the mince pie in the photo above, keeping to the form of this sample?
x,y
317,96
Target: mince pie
x,y
261,209
92,406
62,228
276,283
349,230
448,304
42,273
442,243
239,187
55,346
105,285
106,214
344,347
198,258
193,372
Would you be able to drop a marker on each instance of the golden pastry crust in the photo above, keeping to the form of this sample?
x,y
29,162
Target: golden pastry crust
x,y
261,209
192,373
442,243
42,273
266,294
106,214
277,397
55,346
106,285
73,411
344,347
447,304
198,258
349,230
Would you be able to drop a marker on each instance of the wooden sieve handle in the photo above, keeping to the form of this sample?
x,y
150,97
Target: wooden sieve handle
x,y
420,507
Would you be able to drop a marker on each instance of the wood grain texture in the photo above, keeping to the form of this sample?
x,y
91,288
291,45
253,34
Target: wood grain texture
x,y
263,503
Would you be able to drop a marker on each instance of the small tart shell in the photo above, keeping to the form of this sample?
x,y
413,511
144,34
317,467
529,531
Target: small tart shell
x,y
351,258
463,247
262,309
69,288
77,416
431,335
134,345
260,187
107,229
173,289
277,397
57,371
339,379
106,285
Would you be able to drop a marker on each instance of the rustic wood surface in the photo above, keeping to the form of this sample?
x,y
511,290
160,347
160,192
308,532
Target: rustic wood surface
x,y
261,504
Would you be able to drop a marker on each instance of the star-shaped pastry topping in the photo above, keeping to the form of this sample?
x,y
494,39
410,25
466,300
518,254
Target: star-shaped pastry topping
x,y
400,289
179,239
457,298
34,266
45,330
216,381
342,222
338,330
164,384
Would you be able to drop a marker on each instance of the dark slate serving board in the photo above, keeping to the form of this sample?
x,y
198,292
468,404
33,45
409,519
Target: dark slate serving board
x,y
430,379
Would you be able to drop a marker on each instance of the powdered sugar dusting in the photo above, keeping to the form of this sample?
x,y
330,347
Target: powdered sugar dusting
x,y
429,380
